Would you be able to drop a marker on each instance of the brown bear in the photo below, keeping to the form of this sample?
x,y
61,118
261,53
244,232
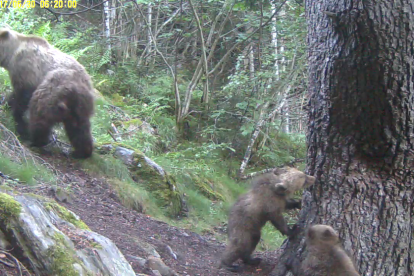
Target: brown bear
x,y
325,255
268,198
53,85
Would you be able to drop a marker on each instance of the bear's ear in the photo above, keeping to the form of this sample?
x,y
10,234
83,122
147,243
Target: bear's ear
x,y
4,34
327,233
279,188
279,171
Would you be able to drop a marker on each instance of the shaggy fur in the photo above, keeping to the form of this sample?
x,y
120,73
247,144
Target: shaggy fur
x,y
326,257
269,197
53,85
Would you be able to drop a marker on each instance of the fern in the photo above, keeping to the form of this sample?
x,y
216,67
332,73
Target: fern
x,y
105,59
43,30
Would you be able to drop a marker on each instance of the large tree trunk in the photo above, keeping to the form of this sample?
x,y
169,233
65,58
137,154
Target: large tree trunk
x,y
360,135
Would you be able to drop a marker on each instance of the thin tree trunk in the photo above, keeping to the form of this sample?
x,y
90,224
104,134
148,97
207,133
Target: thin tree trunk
x,y
286,119
360,134
149,30
274,41
203,53
107,23
258,128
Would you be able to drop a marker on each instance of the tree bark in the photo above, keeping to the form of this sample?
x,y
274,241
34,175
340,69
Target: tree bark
x,y
360,135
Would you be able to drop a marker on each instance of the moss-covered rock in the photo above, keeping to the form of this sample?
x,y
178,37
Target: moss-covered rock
x,y
160,184
9,208
62,258
206,187
65,214
49,243
152,177
133,122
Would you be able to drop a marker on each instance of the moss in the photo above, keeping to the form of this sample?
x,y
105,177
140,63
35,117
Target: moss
x,y
62,258
5,187
163,188
39,197
66,215
95,245
9,207
206,188
117,99
109,148
135,122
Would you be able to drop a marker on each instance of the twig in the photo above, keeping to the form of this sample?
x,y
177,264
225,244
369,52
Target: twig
x,y
113,137
7,263
17,262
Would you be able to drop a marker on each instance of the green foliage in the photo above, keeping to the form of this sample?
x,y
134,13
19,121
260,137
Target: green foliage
x,y
27,172
131,194
101,122
138,88
43,30
108,166
283,149
21,20
271,238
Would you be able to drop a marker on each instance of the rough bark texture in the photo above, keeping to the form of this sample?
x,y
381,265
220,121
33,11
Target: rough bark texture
x,y
360,136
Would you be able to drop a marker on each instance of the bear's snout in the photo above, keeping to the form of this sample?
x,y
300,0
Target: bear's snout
x,y
310,180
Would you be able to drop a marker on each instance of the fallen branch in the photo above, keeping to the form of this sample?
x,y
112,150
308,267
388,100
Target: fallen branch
x,y
18,264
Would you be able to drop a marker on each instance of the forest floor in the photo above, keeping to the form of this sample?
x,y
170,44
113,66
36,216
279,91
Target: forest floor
x,y
97,205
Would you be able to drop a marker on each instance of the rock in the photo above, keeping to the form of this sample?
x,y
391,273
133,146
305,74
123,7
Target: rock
x,y
169,249
157,264
156,273
134,125
52,245
61,195
148,248
154,179
140,261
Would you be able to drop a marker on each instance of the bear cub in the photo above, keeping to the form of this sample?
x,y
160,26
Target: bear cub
x,y
270,195
325,256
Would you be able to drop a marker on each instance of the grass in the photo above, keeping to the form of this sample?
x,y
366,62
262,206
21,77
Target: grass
x,y
106,165
189,163
131,194
271,238
27,172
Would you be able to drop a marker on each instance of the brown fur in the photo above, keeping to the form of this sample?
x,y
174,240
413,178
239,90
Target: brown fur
x,y
269,197
326,257
53,85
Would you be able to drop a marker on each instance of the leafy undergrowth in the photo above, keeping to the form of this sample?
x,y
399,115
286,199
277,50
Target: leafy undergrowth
x,y
201,172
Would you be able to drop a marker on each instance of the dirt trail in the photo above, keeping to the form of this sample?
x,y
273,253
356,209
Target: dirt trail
x,y
184,251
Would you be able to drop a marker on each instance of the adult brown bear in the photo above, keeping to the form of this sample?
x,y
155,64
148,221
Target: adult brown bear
x,y
53,85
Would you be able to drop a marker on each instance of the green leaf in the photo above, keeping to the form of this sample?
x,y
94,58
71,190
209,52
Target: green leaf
x,y
242,105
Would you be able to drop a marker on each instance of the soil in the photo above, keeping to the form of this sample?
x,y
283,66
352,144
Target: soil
x,y
97,205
